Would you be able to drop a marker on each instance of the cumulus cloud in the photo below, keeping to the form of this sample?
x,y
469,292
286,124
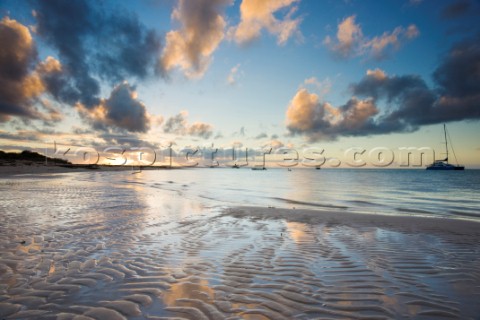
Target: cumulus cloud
x,y
317,119
21,83
407,101
350,40
93,44
121,111
200,129
190,48
178,124
259,15
349,36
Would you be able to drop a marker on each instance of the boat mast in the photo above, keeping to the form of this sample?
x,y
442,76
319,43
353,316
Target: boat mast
x,y
446,141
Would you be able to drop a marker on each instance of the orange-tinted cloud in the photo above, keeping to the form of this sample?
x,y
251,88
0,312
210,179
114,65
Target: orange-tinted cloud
x,y
20,83
178,124
202,29
407,101
121,111
308,115
259,15
93,44
350,40
200,129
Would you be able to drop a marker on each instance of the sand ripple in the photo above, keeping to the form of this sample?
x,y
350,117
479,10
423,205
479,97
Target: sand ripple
x,y
76,258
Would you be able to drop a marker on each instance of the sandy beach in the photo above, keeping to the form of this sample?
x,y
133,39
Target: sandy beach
x,y
69,251
239,159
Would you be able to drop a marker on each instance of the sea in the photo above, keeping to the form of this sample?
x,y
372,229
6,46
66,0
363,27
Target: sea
x,y
447,194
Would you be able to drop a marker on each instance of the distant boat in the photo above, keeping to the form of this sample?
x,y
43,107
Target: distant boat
x,y
443,164
317,168
214,163
236,166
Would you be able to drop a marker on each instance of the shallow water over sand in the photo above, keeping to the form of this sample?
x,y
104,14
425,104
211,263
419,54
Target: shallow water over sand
x,y
116,245
397,192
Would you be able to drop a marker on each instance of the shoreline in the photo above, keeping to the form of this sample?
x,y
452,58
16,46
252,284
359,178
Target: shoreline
x,y
45,169
408,223
30,171
41,168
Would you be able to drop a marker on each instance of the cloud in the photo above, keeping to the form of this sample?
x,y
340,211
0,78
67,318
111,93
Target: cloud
x,y
459,73
319,120
93,44
231,79
408,102
415,2
261,136
121,111
202,29
456,9
178,124
21,83
349,36
130,140
21,135
200,129
239,144
350,40
259,15
274,144
322,87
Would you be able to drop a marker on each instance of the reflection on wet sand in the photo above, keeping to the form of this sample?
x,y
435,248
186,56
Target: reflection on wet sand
x,y
109,246
299,232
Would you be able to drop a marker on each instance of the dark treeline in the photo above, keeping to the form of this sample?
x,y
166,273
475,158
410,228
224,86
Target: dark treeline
x,y
28,156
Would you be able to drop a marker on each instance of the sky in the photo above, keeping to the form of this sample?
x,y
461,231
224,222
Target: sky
x,y
208,74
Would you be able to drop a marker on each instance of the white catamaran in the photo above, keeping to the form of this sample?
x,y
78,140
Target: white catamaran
x,y
443,164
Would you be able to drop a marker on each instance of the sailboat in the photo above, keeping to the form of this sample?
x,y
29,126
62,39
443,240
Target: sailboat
x,y
443,164
235,165
214,162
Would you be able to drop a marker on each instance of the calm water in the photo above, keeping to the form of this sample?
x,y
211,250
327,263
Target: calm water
x,y
418,192
374,191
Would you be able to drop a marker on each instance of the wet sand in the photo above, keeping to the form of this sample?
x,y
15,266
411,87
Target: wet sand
x,y
76,258
9,170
